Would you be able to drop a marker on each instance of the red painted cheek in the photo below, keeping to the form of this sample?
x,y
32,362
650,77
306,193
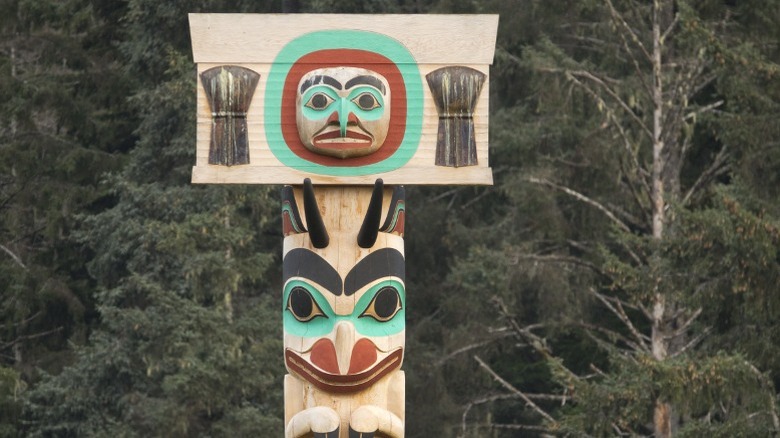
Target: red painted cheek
x,y
323,355
363,356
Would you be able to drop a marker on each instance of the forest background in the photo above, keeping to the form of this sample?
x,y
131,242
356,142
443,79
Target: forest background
x,y
622,277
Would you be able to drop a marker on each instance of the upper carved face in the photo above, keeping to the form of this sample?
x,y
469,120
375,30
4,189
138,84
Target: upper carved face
x,y
344,302
344,334
343,112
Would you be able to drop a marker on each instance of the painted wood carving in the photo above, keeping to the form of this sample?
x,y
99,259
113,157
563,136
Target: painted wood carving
x,y
346,103
343,112
229,91
345,99
344,304
455,91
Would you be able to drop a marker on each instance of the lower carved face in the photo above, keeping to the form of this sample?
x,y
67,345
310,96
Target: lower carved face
x,y
343,112
342,336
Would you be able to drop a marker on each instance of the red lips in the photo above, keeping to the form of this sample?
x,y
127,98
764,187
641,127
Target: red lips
x,y
334,140
322,369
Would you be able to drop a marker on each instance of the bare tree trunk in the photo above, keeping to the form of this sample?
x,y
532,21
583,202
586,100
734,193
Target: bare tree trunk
x,y
662,418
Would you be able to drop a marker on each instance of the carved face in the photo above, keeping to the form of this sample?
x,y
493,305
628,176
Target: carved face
x,y
344,336
344,305
343,112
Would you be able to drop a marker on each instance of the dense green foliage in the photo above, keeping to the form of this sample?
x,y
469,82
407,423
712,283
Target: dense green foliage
x,y
136,304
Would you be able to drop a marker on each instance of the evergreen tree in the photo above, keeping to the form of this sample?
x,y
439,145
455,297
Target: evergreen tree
x,y
625,128
63,124
186,276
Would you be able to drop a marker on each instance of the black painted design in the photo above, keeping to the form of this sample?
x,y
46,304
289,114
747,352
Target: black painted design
x,y
370,228
333,434
320,79
385,262
303,263
354,434
317,232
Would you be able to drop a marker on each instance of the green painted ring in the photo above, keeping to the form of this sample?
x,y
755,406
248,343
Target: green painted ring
x,y
344,39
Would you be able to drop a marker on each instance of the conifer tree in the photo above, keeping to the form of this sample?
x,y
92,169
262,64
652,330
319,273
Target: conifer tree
x,y
189,335
622,127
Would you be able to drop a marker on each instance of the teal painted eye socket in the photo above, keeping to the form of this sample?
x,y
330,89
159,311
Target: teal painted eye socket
x,y
302,305
367,102
306,312
385,305
379,312
319,101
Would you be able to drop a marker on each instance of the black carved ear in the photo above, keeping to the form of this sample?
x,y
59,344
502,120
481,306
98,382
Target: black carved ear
x,y
317,232
370,228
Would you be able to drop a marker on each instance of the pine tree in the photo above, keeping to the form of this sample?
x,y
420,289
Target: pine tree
x,y
63,124
609,150
185,276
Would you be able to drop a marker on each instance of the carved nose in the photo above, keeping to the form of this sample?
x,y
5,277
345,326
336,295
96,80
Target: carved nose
x,y
345,340
338,118
346,356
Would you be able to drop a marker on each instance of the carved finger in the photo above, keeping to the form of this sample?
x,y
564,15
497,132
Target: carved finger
x,y
322,421
367,420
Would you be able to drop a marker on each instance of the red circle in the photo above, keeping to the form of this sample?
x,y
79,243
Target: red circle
x,y
344,58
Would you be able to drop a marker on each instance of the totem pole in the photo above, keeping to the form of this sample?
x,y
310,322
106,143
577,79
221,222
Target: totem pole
x,y
345,109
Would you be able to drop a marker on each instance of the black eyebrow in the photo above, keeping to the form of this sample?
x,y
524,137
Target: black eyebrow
x,y
385,262
304,263
366,80
320,79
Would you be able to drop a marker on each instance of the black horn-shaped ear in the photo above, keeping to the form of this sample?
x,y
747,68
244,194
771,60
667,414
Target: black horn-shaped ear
x,y
370,228
317,232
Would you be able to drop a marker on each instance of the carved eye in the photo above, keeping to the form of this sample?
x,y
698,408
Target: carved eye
x,y
366,101
319,101
385,305
302,305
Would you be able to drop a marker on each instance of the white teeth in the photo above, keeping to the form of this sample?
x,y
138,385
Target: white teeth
x,y
342,140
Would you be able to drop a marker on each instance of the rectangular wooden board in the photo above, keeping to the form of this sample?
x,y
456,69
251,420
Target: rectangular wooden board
x,y
272,45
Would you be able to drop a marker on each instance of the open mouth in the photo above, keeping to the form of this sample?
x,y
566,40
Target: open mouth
x,y
334,140
342,383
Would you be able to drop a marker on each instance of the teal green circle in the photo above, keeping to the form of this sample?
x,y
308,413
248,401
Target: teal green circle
x,y
344,39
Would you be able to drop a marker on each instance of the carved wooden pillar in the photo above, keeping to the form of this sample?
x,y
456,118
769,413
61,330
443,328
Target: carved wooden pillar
x,y
342,103
344,305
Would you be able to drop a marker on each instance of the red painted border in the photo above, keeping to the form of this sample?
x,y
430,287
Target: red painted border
x,y
342,383
345,58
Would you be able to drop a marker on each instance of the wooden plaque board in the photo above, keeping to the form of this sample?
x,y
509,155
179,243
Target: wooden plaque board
x,y
277,49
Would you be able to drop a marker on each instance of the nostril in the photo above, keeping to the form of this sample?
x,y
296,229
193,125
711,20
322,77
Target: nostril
x,y
323,355
363,356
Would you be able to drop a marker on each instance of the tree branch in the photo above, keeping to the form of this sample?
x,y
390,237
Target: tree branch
x,y
14,257
469,347
582,198
621,314
634,37
716,168
622,103
692,342
515,391
771,388
536,342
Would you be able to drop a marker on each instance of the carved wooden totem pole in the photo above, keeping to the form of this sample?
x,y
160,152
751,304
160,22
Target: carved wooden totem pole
x,y
338,106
